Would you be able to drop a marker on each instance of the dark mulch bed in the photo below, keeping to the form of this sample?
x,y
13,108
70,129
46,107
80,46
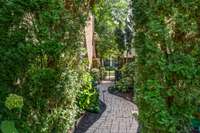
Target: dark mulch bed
x,y
126,95
88,119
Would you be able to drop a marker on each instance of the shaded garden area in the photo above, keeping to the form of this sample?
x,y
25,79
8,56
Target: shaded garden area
x,y
54,53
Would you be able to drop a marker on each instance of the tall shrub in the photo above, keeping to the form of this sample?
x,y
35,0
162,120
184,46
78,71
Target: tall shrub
x,y
40,44
167,45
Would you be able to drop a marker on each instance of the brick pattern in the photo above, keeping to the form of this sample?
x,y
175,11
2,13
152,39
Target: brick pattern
x,y
117,117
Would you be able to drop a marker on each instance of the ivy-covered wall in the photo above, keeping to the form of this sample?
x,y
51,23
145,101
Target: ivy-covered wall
x,y
167,37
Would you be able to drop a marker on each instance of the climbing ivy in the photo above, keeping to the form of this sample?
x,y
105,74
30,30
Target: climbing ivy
x,y
167,37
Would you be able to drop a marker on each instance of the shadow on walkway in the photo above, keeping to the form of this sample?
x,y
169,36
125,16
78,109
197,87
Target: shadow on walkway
x,y
89,119
126,96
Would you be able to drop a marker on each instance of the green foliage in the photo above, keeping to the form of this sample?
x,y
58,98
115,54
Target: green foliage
x,y
8,127
51,99
108,16
40,46
128,70
167,68
126,83
123,85
95,73
88,98
14,101
196,124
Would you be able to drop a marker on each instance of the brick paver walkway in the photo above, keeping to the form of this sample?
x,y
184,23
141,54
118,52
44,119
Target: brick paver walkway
x,y
117,116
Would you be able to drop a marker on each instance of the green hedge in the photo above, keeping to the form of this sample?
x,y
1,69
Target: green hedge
x,y
40,69
167,68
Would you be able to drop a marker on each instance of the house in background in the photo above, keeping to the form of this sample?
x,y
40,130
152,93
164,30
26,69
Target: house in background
x,y
128,55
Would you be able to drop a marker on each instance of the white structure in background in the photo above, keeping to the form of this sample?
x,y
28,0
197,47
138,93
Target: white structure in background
x,y
89,37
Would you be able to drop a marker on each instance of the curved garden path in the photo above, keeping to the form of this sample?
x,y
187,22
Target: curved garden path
x,y
115,115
